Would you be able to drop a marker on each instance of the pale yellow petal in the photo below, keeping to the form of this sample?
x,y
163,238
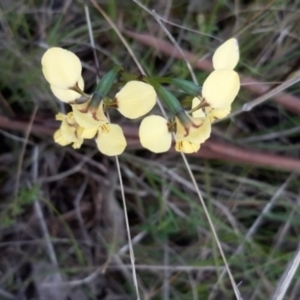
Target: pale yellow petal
x,y
217,113
186,147
182,132
87,118
68,95
59,138
198,113
68,127
198,135
220,88
68,131
227,55
61,68
136,99
154,134
60,117
87,133
111,140
77,143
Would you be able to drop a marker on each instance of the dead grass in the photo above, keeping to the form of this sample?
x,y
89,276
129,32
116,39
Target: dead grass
x,y
254,207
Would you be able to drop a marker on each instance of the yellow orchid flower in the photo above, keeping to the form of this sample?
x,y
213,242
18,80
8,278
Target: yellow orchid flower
x,y
156,134
223,84
110,139
227,55
61,68
135,99
67,133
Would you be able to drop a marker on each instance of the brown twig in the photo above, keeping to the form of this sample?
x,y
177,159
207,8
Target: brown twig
x,y
211,149
290,102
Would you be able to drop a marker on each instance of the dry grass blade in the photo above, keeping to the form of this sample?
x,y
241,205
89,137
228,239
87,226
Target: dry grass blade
x,y
132,258
198,192
39,212
28,130
6,295
211,224
91,37
272,93
131,252
109,21
157,18
287,277
258,222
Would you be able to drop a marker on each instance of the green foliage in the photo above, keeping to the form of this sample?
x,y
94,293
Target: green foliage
x,y
16,207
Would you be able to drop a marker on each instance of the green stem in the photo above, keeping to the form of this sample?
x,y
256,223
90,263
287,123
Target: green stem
x,y
104,86
166,97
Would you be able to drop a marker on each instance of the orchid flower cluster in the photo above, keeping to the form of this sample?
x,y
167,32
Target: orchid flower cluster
x,y
88,118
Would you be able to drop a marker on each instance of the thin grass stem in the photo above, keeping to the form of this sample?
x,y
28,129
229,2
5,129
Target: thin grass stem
x,y
132,258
